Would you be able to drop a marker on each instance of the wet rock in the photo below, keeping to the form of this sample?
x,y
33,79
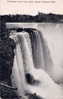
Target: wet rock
x,y
34,96
30,79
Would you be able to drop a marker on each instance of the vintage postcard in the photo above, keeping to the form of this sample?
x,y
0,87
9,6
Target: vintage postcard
x,y
31,49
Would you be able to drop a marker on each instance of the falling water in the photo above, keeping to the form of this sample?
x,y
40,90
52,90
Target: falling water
x,y
46,85
26,51
18,71
37,50
48,62
24,62
41,55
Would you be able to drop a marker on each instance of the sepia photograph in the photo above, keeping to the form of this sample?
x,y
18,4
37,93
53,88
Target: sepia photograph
x,y
31,56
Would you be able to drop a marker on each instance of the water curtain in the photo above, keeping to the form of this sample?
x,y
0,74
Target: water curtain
x,y
18,75
25,45
40,51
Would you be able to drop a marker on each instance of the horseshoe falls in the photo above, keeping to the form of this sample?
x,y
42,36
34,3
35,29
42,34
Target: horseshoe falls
x,y
32,56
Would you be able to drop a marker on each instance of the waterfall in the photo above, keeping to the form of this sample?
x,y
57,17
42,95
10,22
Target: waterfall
x,y
41,55
46,54
37,50
23,63
18,75
26,51
40,51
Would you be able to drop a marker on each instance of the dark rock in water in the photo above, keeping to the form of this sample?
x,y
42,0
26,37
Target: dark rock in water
x,y
30,79
34,96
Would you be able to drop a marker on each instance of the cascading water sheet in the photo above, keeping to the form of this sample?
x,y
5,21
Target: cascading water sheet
x,y
18,71
37,50
40,51
48,62
26,51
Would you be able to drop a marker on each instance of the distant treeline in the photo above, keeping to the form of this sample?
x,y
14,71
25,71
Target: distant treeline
x,y
40,17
